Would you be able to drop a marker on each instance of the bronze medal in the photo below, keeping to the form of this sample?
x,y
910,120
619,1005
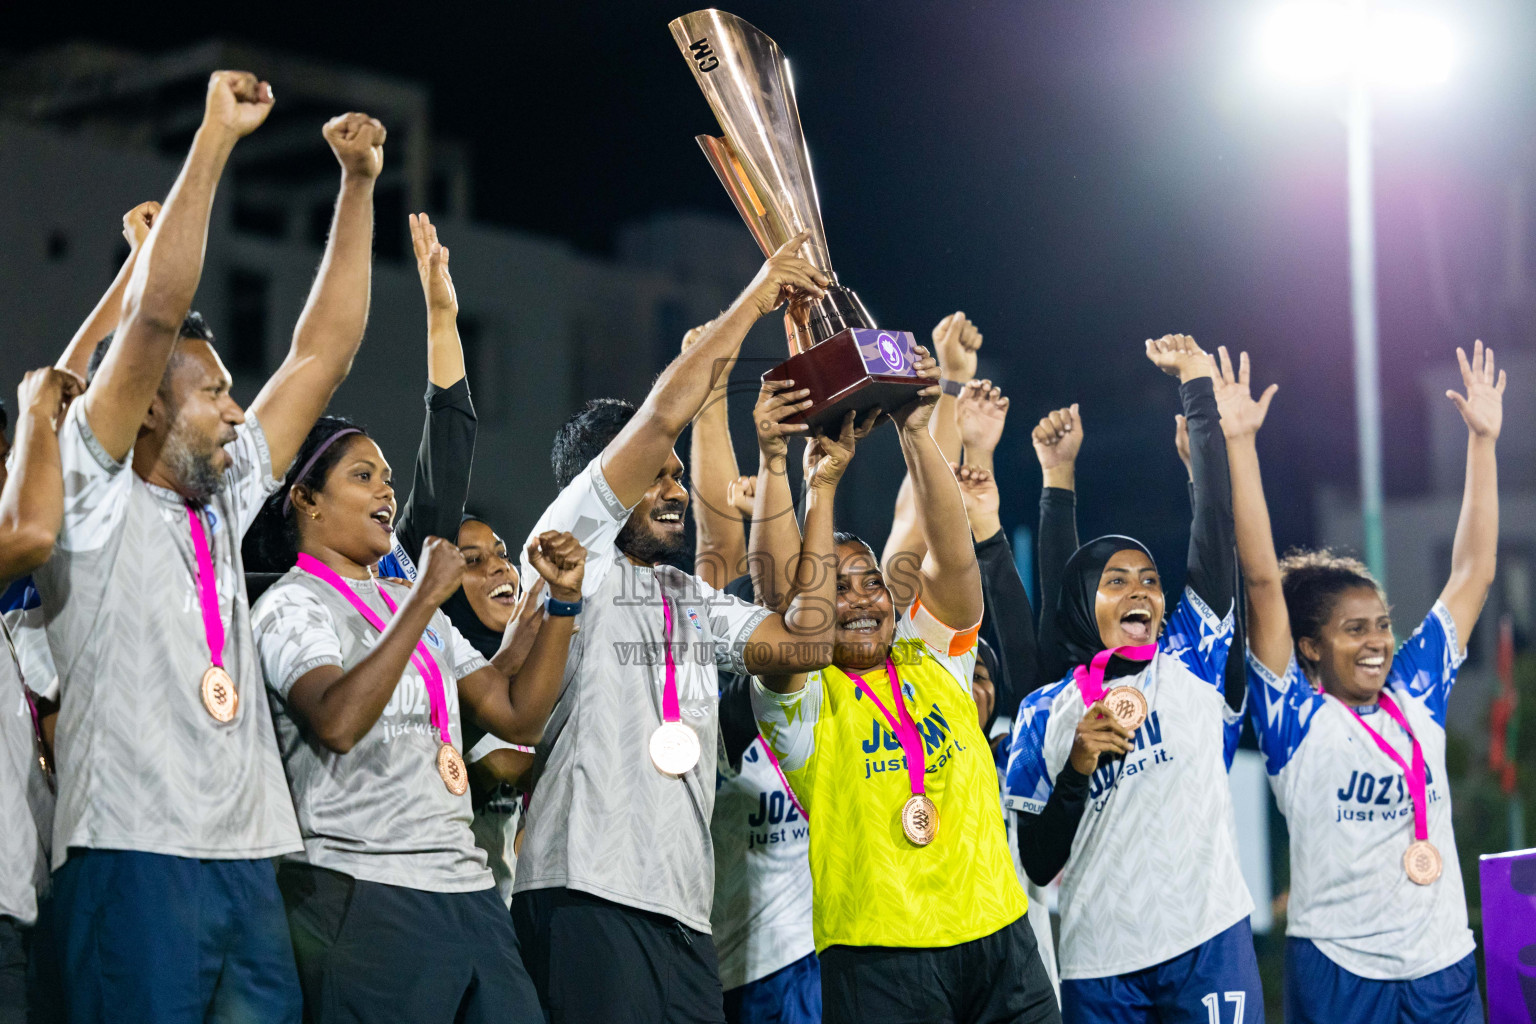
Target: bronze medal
x,y
920,820
219,696
674,748
451,767
1422,862
1128,705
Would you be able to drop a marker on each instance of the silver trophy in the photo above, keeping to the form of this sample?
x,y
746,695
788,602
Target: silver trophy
x,y
835,347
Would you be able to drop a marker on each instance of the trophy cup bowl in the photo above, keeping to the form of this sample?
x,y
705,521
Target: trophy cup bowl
x,y
835,347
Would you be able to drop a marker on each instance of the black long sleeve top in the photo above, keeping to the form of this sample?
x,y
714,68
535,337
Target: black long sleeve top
x,y
1013,623
1045,839
434,507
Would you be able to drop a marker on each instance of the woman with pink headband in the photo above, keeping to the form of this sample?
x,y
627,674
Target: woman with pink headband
x,y
393,911
1118,773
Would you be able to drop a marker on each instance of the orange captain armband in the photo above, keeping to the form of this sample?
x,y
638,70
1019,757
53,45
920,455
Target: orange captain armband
x,y
938,636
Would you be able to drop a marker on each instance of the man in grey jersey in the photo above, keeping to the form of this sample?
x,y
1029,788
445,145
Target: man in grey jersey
x,y
171,795
31,507
616,874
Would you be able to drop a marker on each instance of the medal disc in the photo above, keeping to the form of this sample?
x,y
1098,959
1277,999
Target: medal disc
x,y
1128,705
920,820
674,748
219,696
451,767
1422,862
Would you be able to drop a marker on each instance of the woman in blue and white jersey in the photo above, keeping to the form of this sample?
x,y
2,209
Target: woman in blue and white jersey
x,y
1352,727
1154,909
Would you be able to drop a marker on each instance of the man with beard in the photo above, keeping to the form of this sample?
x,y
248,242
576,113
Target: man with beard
x,y
616,875
171,795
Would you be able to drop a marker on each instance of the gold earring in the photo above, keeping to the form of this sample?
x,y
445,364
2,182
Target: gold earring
x,y
313,514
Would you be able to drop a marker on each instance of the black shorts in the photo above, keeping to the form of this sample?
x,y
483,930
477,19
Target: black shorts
x,y
996,979
594,960
376,954
13,971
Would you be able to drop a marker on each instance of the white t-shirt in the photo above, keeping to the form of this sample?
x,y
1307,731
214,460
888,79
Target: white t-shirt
x,y
1154,869
497,820
762,913
1350,816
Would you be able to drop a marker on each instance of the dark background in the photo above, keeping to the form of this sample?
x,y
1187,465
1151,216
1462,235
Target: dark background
x,y
1077,175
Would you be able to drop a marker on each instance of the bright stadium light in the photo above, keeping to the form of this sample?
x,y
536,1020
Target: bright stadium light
x,y
1358,47
1326,42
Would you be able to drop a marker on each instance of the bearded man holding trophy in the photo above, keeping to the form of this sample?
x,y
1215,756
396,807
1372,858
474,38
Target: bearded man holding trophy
x,y
914,921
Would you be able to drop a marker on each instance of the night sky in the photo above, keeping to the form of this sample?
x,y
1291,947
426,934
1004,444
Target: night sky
x,y
1077,175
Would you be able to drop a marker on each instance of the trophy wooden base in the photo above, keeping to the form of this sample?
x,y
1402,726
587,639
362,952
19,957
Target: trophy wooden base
x,y
856,370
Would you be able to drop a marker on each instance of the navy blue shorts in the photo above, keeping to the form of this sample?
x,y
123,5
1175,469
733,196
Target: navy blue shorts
x,y
1319,991
371,953
790,995
1218,980
175,940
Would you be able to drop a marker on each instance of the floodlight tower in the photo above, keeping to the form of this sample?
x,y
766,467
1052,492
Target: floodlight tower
x,y
1360,45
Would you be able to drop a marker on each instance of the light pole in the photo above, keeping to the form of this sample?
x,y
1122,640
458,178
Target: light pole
x,y
1364,45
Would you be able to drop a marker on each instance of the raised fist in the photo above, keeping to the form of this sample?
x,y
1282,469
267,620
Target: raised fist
x,y
741,494
955,341
237,103
47,392
561,560
138,221
442,570
358,142
1058,437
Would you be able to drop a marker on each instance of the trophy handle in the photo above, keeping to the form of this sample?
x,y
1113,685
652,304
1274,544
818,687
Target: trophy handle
x,y
734,177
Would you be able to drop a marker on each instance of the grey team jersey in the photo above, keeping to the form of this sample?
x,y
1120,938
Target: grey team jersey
x,y
141,764
379,812
603,820
26,804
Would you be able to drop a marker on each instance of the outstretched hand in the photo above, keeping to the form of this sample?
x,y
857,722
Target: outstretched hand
x,y
776,402
915,415
1482,407
980,412
784,277
1241,414
432,266
1178,356
829,457
1058,437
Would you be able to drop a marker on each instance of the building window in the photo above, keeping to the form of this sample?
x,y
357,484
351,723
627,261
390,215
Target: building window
x,y
244,338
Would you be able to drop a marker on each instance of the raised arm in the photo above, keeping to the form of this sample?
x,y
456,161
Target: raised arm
x,y
955,343
1057,439
1003,594
32,499
103,320
1212,571
517,708
169,265
1474,553
633,458
949,581
1268,621
720,546
331,326
440,483
785,646
774,542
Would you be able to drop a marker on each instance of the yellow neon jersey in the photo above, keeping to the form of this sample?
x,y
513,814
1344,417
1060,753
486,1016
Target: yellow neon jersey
x,y
871,886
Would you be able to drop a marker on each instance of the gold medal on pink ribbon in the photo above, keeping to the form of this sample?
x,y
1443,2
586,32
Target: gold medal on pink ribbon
x,y
1126,703
919,815
220,698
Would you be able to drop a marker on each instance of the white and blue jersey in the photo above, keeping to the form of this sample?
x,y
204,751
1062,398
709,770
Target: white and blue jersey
x,y
397,565
1350,817
1154,869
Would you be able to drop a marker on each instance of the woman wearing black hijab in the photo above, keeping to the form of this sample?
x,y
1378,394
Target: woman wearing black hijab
x,y
1118,773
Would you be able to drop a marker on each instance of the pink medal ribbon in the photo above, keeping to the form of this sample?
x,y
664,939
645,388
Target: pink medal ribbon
x,y
207,589
37,720
1414,775
919,815
773,760
430,674
1127,704
674,746
904,728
